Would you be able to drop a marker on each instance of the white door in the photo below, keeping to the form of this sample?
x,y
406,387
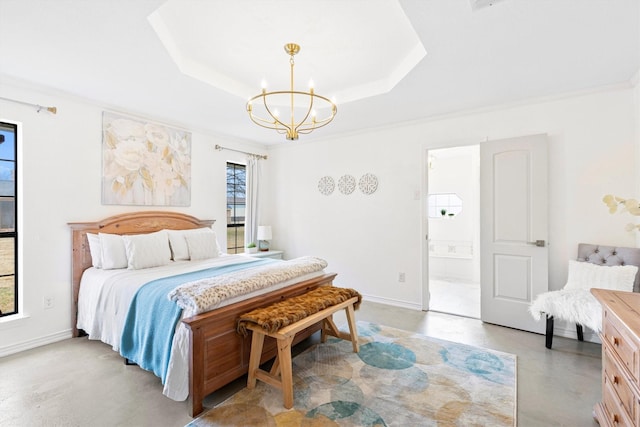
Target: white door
x,y
513,234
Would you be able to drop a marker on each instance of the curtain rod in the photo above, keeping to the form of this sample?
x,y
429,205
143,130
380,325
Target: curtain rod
x,y
53,110
220,148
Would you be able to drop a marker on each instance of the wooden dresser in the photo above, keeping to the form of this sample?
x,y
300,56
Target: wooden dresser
x,y
620,337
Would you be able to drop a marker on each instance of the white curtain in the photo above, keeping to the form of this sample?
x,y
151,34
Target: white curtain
x,y
251,194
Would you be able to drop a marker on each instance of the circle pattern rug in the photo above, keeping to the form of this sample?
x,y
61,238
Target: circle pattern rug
x,y
397,379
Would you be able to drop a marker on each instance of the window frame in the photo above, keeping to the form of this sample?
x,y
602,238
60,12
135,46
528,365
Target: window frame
x,y
238,247
13,127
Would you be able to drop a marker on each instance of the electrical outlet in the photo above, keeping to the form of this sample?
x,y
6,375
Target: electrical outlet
x,y
401,277
48,302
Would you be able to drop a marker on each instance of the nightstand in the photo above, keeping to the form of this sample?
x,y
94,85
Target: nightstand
x,y
269,254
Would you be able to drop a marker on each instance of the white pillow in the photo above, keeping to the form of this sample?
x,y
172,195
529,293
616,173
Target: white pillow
x,y
178,243
179,250
96,250
114,254
147,250
202,245
585,275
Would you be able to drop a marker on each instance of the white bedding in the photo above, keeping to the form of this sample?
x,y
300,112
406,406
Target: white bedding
x,y
105,296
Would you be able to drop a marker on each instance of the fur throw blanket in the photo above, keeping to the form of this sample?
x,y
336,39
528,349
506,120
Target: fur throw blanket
x,y
205,294
573,305
289,311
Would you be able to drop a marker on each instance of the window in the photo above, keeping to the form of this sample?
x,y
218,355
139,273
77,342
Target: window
x,y
8,215
444,205
236,202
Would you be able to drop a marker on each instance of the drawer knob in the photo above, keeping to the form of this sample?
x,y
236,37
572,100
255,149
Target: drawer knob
x,y
615,379
616,342
614,419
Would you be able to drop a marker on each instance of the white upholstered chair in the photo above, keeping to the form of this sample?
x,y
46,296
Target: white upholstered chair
x,y
597,266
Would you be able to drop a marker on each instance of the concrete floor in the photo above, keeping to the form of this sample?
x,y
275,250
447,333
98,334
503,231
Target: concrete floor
x,y
454,296
77,382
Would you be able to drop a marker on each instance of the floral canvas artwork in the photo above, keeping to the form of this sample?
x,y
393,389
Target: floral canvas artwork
x,y
144,163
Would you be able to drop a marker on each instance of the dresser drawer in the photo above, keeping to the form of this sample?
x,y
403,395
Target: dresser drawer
x,y
619,383
615,413
620,405
621,343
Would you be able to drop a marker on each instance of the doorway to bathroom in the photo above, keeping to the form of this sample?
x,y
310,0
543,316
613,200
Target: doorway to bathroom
x,y
453,211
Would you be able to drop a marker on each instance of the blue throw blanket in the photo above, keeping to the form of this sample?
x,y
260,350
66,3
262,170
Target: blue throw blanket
x,y
151,321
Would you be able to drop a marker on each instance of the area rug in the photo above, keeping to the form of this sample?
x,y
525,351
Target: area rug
x,y
397,379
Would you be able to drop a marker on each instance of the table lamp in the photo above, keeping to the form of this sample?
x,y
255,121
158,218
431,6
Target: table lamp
x,y
264,235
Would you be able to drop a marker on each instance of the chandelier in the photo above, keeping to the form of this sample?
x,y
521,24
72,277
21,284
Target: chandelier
x,y
301,117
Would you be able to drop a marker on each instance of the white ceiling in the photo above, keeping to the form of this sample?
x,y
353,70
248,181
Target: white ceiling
x,y
514,50
207,45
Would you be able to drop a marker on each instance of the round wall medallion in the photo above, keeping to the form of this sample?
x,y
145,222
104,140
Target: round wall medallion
x,y
326,185
368,183
346,184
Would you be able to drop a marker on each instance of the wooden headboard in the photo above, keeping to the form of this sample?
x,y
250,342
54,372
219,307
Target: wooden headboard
x,y
128,223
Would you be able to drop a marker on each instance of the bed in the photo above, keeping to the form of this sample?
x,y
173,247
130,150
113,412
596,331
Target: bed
x,y
216,354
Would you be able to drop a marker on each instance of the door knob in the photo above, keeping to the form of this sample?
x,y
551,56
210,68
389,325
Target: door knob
x,y
539,243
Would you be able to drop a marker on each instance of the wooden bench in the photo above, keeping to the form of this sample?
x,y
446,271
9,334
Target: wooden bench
x,y
281,375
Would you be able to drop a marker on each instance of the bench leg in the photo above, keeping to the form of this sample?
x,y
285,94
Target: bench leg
x,y
330,328
275,368
353,330
257,340
326,325
549,334
286,371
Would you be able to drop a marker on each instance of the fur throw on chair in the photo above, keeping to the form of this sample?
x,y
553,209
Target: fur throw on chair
x,y
573,305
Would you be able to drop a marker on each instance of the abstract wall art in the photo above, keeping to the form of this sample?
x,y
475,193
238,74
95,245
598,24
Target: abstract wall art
x,y
144,163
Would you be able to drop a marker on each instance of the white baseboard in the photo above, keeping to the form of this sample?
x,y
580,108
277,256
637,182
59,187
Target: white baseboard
x,y
569,331
396,303
27,345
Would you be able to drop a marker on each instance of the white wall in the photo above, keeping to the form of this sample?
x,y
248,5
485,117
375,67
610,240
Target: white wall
x,y
60,176
368,240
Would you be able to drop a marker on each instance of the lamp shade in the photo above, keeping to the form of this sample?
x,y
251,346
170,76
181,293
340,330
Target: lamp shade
x,y
264,232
